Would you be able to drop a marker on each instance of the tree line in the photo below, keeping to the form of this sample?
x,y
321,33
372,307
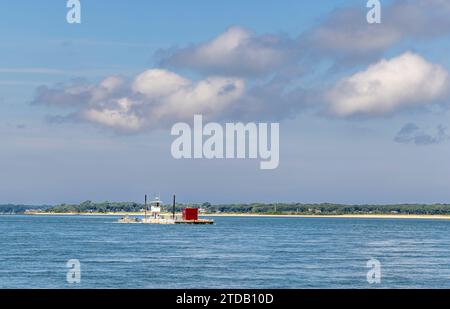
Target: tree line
x,y
252,208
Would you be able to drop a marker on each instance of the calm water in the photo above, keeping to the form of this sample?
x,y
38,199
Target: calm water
x,y
234,253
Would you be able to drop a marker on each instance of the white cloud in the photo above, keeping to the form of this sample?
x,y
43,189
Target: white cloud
x,y
237,51
156,83
210,96
405,81
118,116
153,99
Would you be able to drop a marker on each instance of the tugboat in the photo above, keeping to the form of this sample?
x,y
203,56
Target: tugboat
x,y
188,216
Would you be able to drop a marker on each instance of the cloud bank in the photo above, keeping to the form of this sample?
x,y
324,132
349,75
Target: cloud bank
x,y
151,100
344,36
346,33
245,76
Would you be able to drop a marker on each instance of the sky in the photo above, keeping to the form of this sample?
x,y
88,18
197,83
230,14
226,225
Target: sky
x,y
86,109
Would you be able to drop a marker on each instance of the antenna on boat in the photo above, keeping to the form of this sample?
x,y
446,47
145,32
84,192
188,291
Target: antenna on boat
x,y
173,207
145,216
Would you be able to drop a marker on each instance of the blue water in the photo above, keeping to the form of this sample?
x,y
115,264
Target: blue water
x,y
233,253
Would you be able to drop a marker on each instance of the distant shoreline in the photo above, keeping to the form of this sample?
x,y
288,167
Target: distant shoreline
x,y
349,216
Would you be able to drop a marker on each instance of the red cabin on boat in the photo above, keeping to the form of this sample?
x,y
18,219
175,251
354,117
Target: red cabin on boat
x,y
190,214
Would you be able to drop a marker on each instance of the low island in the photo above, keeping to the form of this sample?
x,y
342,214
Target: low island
x,y
433,211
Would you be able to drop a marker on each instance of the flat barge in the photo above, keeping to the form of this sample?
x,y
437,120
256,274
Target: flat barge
x,y
199,221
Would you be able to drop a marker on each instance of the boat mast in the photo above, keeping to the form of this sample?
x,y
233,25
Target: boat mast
x,y
173,208
145,216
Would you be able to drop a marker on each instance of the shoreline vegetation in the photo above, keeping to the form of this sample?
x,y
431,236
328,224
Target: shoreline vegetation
x,y
413,211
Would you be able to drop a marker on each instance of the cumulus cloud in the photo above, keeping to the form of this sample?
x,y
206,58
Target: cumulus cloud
x,y
389,85
237,51
411,133
346,33
151,100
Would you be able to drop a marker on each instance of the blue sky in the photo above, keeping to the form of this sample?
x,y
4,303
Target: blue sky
x,y
308,64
